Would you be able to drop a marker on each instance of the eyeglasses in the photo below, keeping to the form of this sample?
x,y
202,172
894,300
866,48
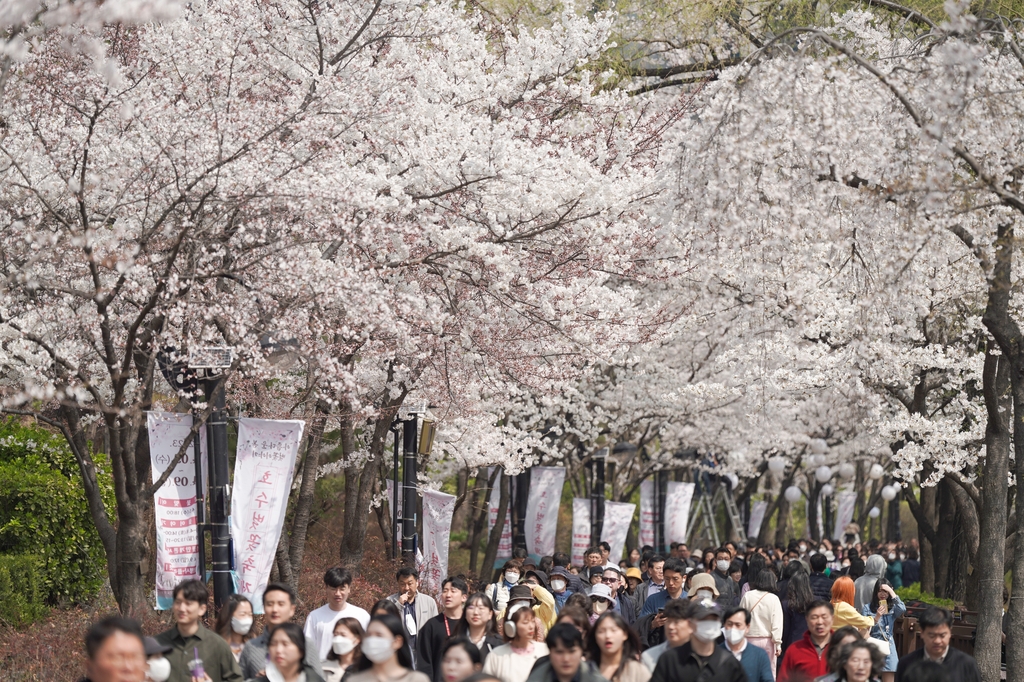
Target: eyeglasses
x,y
609,581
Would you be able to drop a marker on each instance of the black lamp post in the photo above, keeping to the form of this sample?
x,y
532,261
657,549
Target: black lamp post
x,y
597,497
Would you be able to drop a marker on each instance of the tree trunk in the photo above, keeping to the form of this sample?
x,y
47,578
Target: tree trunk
x,y
1015,630
929,499
782,522
941,548
359,486
482,500
992,540
491,553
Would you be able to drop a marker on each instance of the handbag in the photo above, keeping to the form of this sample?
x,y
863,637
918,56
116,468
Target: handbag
x,y
883,645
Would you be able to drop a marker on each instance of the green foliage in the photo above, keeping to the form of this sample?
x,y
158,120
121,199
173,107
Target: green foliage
x,y
21,591
914,593
43,512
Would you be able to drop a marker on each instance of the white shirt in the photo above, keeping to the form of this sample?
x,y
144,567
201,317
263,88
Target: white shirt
x,y
738,654
507,665
320,624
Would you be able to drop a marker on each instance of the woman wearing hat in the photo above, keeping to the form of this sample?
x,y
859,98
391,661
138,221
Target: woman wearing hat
x,y
703,588
600,601
513,661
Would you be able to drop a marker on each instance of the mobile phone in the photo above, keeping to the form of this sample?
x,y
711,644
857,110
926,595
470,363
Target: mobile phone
x,y
884,606
661,611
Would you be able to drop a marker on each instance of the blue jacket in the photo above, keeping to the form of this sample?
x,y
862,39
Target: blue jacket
x,y
656,601
755,663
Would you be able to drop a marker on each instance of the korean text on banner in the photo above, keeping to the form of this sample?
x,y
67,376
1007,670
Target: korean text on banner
x,y
618,517
437,527
542,510
757,511
505,544
174,503
264,463
844,511
677,511
580,529
647,513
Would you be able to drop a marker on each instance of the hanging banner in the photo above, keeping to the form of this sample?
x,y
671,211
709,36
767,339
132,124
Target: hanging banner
x,y
264,464
618,517
438,508
174,503
396,513
505,544
542,510
647,513
757,510
580,529
846,500
678,497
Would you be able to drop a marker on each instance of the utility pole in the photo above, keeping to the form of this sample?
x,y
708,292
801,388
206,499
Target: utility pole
x,y
520,507
597,497
220,531
409,501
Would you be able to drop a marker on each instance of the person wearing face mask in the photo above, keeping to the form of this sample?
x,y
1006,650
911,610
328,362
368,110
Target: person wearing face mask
x,y
348,635
560,587
234,623
703,588
894,569
735,625
600,601
700,658
498,591
158,668
728,590
384,654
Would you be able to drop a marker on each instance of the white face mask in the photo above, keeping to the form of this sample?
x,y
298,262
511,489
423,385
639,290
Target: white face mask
x,y
600,606
558,585
892,556
511,578
903,557
377,649
158,669
707,630
803,549
733,635
241,626
342,645
705,595
722,566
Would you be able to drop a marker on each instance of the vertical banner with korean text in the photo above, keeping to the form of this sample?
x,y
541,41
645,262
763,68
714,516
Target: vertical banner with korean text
x,y
580,529
646,513
505,544
174,503
542,510
438,508
757,510
847,500
618,517
264,463
678,497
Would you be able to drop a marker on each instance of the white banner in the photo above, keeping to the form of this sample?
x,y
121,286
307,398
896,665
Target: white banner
x,y
396,512
580,529
505,544
618,517
757,510
264,464
647,513
438,508
846,500
677,511
542,510
174,503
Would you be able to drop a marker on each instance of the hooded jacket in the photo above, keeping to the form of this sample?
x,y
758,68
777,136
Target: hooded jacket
x,y
874,569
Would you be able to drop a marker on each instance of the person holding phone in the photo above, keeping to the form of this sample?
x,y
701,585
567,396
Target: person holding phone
x,y
885,608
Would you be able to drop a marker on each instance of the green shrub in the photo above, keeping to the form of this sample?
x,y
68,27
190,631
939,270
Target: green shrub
x,y
43,512
21,590
914,593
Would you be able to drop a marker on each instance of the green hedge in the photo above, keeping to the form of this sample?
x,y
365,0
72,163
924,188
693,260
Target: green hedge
x,y
21,589
43,512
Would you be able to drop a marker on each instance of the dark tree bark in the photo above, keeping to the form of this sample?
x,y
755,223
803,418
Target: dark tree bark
x,y
494,539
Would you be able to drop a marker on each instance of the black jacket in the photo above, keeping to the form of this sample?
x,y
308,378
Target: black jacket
x,y
960,666
430,641
821,586
682,665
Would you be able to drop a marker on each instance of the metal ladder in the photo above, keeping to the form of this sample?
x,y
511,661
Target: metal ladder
x,y
733,511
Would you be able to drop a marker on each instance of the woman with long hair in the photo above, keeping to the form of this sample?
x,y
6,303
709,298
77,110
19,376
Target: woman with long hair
x,y
514,660
286,654
459,659
614,647
842,603
478,624
840,637
385,653
386,606
766,616
794,608
234,623
885,608
345,643
575,615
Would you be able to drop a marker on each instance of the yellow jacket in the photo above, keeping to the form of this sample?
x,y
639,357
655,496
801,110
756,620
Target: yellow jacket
x,y
544,609
847,615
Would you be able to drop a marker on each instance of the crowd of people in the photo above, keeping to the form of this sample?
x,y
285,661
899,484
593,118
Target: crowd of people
x,y
806,612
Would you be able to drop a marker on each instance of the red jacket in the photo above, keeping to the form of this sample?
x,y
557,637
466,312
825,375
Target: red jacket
x,y
803,662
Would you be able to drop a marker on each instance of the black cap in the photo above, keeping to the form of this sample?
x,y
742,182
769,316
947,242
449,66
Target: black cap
x,y
154,647
542,577
702,611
